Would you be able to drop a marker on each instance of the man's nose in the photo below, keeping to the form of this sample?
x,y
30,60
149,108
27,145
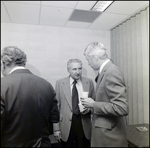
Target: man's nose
x,y
78,71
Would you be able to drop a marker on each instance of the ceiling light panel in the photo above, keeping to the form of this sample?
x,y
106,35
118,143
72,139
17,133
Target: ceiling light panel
x,y
101,5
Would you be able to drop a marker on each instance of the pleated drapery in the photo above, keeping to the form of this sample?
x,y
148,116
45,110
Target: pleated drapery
x,y
130,52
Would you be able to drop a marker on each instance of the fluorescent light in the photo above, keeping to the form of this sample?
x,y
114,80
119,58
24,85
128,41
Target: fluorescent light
x,y
101,5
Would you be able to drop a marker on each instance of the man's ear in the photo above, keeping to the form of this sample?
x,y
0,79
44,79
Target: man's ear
x,y
2,66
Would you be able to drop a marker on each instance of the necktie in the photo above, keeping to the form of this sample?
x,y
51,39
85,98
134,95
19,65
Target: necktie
x,y
96,78
75,100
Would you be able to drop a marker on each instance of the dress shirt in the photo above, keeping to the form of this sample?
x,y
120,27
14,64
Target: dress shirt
x,y
78,86
102,66
15,68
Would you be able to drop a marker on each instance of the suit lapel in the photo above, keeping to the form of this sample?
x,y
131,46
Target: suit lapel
x,y
99,79
84,84
67,91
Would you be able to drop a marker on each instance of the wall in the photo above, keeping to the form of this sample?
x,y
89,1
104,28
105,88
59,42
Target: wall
x,y
49,48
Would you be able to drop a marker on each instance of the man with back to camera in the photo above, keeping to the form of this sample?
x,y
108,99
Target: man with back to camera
x,y
74,127
28,103
110,105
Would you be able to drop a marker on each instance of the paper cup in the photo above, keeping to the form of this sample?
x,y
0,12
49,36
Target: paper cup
x,y
84,94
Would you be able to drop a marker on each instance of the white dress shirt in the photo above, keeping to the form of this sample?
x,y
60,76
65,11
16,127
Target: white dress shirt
x,y
102,66
78,86
16,67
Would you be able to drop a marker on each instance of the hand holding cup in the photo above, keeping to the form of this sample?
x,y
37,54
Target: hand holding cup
x,y
86,102
83,95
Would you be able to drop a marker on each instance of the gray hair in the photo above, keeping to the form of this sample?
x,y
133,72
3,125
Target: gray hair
x,y
96,48
12,54
73,61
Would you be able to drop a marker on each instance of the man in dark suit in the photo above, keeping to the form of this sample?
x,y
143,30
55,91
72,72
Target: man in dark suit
x,y
110,105
74,127
28,103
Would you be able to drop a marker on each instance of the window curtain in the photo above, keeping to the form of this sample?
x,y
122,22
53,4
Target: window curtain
x,y
130,52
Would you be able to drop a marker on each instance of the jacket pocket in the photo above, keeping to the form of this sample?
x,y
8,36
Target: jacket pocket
x,y
105,122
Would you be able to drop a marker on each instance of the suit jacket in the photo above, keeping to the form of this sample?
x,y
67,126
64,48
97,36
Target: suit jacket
x,y
28,104
63,94
110,109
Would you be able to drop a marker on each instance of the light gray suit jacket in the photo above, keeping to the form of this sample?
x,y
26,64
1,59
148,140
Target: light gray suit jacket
x,y
63,95
110,109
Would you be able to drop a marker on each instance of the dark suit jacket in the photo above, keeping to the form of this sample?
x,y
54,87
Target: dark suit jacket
x,y
63,94
28,104
110,109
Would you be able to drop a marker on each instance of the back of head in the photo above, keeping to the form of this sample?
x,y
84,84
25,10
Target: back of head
x,y
96,49
12,54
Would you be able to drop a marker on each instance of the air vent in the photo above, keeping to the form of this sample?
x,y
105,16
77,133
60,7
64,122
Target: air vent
x,y
84,16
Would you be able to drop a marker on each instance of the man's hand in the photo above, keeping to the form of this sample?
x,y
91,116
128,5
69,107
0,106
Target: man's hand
x,y
57,135
87,110
87,102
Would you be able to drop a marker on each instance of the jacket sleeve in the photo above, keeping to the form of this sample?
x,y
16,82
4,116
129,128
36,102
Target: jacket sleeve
x,y
54,110
92,89
56,126
116,92
2,113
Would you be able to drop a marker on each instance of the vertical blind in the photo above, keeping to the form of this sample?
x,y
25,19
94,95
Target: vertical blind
x,y
130,52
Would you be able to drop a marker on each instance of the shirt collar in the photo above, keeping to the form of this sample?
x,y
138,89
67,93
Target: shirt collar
x,y
71,80
16,67
102,66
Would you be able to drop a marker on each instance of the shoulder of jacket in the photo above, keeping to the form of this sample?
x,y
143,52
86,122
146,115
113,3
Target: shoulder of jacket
x,y
86,79
62,79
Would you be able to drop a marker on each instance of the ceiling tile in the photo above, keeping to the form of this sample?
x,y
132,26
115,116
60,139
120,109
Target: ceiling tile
x,y
61,13
29,2
106,21
23,13
4,14
64,4
77,24
125,7
54,15
84,15
85,5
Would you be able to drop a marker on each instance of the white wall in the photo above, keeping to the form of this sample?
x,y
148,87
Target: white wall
x,y
49,48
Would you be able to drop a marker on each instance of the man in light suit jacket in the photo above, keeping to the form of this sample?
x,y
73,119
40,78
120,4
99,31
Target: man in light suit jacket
x,y
73,129
110,105
28,103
